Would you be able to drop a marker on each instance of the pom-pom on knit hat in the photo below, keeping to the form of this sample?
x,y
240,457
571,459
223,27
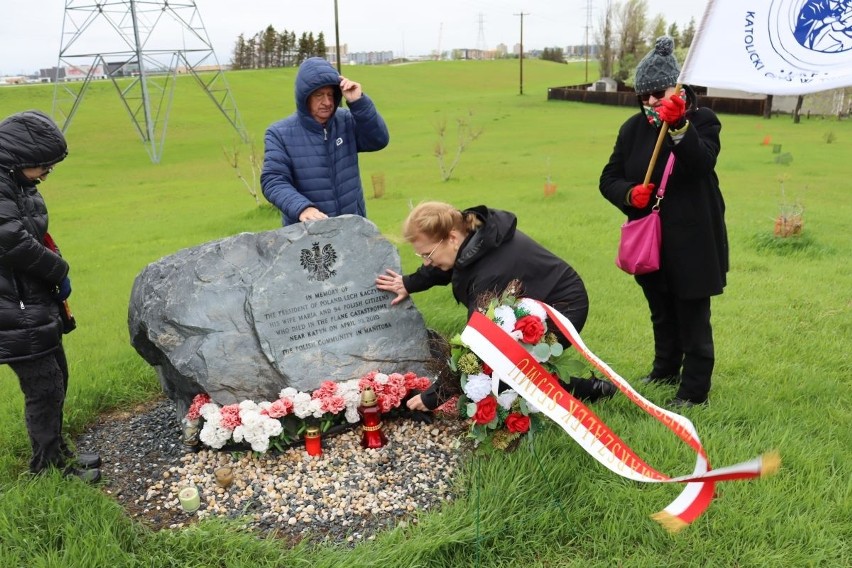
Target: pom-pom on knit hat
x,y
659,69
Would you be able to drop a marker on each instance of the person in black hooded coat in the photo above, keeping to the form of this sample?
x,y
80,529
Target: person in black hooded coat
x,y
480,251
694,251
33,284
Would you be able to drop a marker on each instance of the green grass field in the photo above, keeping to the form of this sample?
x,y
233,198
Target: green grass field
x,y
782,328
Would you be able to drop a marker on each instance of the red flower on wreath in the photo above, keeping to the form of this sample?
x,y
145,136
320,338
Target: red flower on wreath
x,y
531,327
486,410
486,370
517,422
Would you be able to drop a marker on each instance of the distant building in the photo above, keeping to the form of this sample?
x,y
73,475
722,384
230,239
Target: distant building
x,y
79,72
471,54
331,54
580,51
52,74
370,57
605,84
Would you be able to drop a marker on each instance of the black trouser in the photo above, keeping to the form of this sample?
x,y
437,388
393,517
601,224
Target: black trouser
x,y
683,342
44,382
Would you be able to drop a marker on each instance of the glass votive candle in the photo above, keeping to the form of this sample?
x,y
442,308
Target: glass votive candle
x,y
189,499
313,441
224,476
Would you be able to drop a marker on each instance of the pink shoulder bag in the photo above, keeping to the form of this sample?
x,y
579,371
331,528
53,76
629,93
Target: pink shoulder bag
x,y
639,248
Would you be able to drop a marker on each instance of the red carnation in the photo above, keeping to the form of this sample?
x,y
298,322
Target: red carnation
x,y
531,327
486,410
486,370
517,422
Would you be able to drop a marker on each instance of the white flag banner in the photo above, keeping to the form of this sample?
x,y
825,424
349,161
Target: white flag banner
x,y
773,47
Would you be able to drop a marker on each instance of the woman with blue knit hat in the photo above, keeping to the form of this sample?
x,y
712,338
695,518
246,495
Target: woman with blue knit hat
x,y
694,250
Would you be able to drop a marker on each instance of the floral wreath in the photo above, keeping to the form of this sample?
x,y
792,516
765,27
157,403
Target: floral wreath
x,y
279,423
502,419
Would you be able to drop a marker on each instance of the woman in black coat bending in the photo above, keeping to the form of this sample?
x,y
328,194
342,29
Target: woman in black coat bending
x,y
33,285
694,253
480,251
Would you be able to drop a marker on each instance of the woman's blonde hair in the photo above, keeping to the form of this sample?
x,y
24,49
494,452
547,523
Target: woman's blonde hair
x,y
435,219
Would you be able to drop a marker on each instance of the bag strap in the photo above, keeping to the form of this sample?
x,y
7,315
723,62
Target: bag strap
x,y
661,191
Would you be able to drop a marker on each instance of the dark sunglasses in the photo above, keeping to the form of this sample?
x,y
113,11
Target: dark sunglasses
x,y
659,95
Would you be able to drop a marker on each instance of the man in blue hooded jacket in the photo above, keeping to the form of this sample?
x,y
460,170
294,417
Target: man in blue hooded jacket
x,y
310,164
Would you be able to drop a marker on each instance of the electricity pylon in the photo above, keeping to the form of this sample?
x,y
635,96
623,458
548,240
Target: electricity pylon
x,y
132,44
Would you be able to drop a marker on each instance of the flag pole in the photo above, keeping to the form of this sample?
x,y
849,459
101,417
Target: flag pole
x,y
657,146
678,87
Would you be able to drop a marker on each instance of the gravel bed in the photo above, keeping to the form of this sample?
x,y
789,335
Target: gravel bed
x,y
345,495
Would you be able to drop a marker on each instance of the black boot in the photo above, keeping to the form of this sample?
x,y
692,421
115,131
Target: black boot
x,y
92,475
666,380
589,390
87,460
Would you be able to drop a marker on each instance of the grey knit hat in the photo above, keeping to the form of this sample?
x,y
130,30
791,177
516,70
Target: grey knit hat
x,y
659,69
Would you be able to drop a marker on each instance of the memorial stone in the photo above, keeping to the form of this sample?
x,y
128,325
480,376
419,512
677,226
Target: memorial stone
x,y
244,317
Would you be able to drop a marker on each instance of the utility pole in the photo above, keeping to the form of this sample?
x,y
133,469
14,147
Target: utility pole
x,y
337,37
522,14
588,26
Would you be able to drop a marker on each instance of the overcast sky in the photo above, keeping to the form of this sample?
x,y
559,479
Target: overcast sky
x,y
31,30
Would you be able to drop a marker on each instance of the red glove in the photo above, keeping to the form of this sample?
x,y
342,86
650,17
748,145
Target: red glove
x,y
640,195
673,112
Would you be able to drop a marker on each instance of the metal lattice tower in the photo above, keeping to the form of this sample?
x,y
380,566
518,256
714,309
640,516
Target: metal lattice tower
x,y
480,40
132,43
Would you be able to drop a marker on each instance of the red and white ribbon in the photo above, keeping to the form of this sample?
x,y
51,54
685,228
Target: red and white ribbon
x,y
515,366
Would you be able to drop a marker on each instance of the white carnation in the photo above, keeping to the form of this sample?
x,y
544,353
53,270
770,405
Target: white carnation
x,y
302,405
214,435
208,410
506,398
533,308
352,415
288,393
256,429
477,387
505,318
316,408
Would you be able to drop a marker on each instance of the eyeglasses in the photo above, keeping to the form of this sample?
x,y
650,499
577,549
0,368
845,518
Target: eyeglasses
x,y
426,257
659,95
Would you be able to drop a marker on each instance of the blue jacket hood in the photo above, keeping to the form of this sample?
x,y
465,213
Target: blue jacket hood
x,y
314,73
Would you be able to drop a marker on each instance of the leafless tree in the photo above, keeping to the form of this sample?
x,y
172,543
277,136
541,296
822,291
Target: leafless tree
x,y
605,38
466,133
233,158
631,29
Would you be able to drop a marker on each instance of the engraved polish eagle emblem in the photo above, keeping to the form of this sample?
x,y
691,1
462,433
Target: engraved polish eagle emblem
x,y
317,263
